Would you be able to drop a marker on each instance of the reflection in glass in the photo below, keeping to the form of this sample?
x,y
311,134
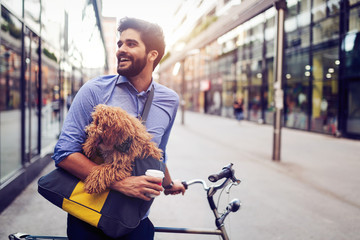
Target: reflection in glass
x,y
227,73
319,10
326,30
32,14
50,92
352,2
269,92
297,72
353,122
352,73
31,94
352,54
333,6
10,115
255,106
14,6
304,6
325,91
354,20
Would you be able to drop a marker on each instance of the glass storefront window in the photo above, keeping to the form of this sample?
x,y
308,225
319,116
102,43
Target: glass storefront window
x,y
353,121
297,73
297,24
319,9
243,73
50,99
31,42
255,103
351,45
304,16
227,73
269,55
255,106
269,32
333,6
53,15
298,38
354,20
292,8
326,30
10,114
14,5
32,14
325,91
352,74
353,2
304,6
325,8
269,92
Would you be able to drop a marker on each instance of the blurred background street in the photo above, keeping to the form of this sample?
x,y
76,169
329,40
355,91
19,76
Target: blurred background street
x,y
289,65
312,193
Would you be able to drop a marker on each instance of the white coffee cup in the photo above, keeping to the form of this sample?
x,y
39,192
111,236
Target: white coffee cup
x,y
155,173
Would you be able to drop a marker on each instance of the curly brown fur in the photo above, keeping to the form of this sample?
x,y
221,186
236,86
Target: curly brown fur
x,y
111,127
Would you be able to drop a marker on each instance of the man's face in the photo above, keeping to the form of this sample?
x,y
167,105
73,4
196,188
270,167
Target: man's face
x,y
131,53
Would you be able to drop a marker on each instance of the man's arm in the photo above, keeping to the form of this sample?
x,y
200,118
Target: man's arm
x,y
135,186
177,186
78,165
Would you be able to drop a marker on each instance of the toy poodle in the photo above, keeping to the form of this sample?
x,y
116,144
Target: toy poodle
x,y
114,140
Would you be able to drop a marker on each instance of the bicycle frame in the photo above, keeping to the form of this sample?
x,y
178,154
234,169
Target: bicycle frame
x,y
221,231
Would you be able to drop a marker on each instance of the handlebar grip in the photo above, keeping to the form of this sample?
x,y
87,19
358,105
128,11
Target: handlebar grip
x,y
225,172
185,184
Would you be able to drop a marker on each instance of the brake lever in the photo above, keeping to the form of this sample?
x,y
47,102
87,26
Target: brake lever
x,y
234,182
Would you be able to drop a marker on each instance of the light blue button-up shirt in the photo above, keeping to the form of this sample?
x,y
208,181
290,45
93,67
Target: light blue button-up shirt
x,y
115,90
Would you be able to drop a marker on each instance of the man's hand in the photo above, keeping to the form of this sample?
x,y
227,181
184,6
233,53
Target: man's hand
x,y
138,186
177,188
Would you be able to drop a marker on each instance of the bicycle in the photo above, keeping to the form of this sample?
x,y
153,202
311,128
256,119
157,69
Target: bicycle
x,y
227,173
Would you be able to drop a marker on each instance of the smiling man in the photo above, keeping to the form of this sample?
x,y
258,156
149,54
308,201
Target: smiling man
x,y
140,48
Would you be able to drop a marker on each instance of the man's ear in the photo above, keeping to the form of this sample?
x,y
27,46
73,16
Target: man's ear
x,y
152,55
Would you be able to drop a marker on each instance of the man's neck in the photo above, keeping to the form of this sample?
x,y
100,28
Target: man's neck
x,y
141,83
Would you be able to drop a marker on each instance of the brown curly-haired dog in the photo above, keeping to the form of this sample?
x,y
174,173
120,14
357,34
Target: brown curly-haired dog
x,y
115,139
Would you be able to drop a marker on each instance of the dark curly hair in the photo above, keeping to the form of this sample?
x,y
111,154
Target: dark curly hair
x,y
151,34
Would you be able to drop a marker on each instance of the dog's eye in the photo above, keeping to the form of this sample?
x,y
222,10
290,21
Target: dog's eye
x,y
125,146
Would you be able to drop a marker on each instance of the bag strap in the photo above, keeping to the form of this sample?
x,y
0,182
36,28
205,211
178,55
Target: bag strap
x,y
147,106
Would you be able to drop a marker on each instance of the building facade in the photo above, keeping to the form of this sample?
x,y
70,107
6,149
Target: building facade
x,y
230,54
110,25
45,58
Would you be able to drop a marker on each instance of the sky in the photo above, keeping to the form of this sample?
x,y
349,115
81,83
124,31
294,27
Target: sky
x,y
157,11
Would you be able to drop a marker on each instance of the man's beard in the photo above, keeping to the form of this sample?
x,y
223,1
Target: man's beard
x,y
136,66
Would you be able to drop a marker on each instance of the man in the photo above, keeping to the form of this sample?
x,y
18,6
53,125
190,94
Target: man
x,y
140,48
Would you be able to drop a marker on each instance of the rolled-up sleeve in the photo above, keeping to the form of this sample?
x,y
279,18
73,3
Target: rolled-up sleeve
x,y
73,131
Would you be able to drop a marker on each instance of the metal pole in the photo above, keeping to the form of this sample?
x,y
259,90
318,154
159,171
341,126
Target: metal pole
x,y
182,101
279,94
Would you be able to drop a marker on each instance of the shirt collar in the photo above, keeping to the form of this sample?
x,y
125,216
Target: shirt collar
x,y
123,80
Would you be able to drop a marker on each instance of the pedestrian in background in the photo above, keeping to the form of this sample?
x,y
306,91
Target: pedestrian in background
x,y
239,108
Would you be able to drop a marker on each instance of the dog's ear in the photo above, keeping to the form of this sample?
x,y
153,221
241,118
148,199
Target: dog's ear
x,y
94,132
92,141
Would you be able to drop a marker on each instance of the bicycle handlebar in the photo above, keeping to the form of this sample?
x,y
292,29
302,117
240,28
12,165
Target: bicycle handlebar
x,y
226,172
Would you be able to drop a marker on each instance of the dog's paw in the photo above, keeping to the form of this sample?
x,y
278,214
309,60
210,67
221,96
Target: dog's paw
x,y
94,184
94,187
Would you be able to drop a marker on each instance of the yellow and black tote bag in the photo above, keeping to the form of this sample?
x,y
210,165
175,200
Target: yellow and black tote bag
x,y
113,212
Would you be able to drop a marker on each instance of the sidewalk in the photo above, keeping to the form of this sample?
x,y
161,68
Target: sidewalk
x,y
312,193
